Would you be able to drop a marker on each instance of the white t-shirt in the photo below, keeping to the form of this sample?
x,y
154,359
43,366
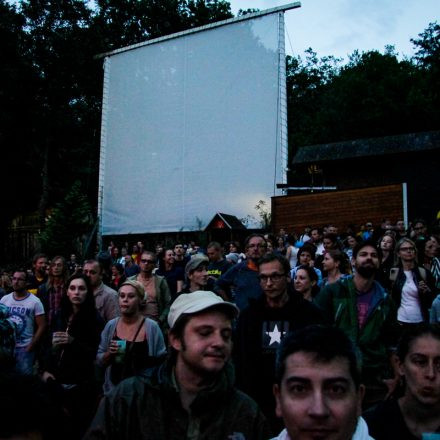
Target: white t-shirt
x,y
23,312
409,310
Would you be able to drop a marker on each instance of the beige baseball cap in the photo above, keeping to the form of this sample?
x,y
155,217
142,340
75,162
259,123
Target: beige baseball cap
x,y
188,303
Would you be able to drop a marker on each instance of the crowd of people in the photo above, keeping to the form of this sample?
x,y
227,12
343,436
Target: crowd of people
x,y
325,334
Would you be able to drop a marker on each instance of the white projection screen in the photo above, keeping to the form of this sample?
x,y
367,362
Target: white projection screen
x,y
193,124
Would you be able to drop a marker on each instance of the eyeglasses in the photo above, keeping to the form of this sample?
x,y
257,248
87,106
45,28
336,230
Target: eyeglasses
x,y
147,261
259,246
275,277
407,249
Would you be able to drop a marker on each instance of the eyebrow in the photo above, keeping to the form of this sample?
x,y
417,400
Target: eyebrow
x,y
326,381
210,327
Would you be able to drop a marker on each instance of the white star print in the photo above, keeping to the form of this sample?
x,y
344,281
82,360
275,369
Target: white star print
x,y
275,335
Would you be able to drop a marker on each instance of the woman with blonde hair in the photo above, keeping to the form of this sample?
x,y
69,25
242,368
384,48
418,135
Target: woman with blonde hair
x,y
131,343
413,288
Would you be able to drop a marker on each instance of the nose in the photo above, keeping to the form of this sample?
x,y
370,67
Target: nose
x,y
217,340
318,406
431,370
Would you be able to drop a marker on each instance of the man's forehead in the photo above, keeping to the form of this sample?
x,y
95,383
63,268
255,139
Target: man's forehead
x,y
367,250
89,266
255,240
310,366
270,267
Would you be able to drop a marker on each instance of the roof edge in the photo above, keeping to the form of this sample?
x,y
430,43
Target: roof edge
x,y
200,29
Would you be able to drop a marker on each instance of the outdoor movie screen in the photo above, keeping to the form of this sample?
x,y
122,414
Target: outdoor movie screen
x,y
191,126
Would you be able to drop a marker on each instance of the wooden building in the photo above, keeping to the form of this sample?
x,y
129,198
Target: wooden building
x,y
413,159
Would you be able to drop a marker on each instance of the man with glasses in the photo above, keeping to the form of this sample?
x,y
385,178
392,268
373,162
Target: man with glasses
x,y
27,313
261,328
156,288
241,281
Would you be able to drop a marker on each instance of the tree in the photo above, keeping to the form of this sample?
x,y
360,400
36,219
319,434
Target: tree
x,y
69,220
51,88
373,94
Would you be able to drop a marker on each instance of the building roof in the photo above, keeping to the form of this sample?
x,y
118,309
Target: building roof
x,y
406,143
225,221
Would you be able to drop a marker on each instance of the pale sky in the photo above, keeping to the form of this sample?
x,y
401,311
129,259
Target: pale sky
x,y
339,27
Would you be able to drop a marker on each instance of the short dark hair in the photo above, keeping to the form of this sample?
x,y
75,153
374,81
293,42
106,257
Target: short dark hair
x,y
214,244
250,237
324,343
93,262
269,258
414,332
307,247
22,270
366,243
332,237
36,257
152,254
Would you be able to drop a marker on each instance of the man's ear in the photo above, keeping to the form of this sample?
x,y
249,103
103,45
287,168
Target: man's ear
x,y
174,342
277,394
361,394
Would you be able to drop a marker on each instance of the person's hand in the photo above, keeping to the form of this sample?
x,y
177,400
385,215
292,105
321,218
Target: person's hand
x,y
423,287
110,354
61,338
113,348
46,376
30,347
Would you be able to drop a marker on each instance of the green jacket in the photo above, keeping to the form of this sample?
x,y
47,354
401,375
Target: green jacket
x,y
150,409
376,337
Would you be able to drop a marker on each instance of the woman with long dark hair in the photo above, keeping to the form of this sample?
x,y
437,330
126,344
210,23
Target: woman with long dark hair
x,y
415,409
386,245
174,275
70,362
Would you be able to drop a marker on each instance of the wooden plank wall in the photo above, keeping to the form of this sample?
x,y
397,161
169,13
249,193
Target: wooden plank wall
x,y
340,208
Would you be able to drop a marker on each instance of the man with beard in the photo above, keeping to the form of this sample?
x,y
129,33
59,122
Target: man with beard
x,y
361,307
39,275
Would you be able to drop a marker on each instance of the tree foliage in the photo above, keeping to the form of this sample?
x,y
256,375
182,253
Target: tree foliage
x,y
373,94
51,86
51,89
69,221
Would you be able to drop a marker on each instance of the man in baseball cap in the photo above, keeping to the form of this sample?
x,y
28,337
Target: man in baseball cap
x,y
191,395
